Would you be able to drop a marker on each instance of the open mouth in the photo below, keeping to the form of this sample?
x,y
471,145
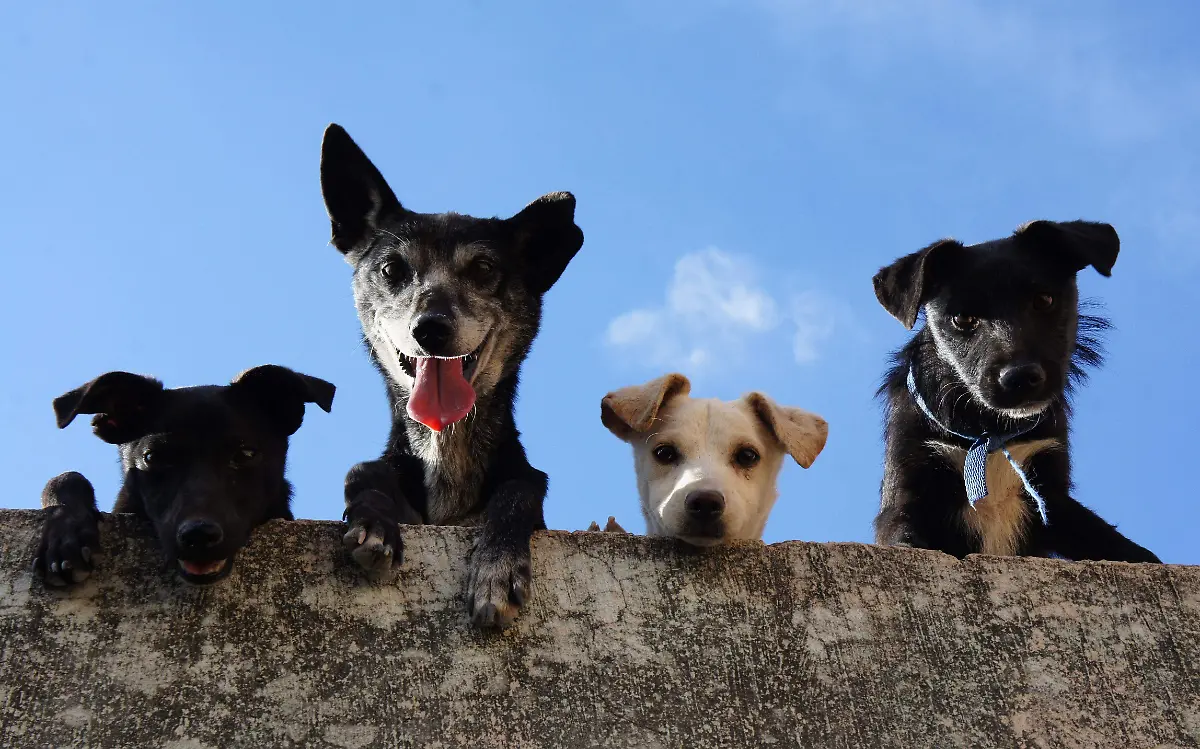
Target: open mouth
x,y
443,390
203,573
470,362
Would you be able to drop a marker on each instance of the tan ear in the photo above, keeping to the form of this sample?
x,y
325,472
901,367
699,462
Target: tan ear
x,y
801,433
631,410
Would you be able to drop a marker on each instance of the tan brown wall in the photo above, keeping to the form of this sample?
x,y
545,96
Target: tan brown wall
x,y
628,642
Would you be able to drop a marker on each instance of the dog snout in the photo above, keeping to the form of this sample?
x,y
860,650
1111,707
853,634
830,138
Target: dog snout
x,y
199,535
1022,378
433,332
704,505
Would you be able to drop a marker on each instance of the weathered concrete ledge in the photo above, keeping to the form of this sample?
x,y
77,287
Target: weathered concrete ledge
x,y
628,642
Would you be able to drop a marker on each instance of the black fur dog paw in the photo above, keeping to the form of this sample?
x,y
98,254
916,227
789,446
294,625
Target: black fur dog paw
x,y
498,584
373,538
68,546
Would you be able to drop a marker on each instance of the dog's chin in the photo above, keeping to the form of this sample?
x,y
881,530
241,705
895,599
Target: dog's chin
x,y
1027,411
702,535
204,573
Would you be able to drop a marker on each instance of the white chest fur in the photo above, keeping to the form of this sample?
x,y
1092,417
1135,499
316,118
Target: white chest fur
x,y
1000,518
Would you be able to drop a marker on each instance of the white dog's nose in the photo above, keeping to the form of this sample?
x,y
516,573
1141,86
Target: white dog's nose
x,y
704,504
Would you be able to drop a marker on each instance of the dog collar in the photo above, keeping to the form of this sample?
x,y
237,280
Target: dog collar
x,y
975,465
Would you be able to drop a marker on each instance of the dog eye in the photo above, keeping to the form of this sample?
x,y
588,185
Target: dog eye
x,y
964,323
1043,302
666,454
394,270
156,458
482,269
244,456
746,457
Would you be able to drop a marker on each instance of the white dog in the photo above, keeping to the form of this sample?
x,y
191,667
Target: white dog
x,y
706,468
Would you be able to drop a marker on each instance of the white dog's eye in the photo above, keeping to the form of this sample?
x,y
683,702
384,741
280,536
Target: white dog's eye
x,y
666,454
746,457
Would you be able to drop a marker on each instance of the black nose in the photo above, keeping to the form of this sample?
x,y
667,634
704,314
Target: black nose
x,y
198,535
704,505
1022,378
433,331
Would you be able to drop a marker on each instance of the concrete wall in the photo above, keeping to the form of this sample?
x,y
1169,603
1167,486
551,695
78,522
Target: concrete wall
x,y
629,642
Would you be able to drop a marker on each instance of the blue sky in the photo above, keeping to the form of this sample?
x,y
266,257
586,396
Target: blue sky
x,y
742,169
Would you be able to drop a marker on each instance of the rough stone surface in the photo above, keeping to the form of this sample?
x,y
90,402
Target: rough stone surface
x,y
628,642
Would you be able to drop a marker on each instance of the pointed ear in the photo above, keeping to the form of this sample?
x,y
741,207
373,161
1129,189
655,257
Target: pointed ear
x,y
632,410
124,405
1078,243
905,285
281,393
355,193
547,237
801,433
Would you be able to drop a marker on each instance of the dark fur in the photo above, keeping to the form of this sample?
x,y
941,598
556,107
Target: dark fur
x,y
205,465
996,282
475,472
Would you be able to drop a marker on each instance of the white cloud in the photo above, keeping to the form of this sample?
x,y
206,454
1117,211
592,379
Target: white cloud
x,y
715,308
811,313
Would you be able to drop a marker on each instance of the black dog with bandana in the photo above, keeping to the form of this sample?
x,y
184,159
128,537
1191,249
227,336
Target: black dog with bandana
x,y
979,399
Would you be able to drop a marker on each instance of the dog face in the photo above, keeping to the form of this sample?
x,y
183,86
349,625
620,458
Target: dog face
x,y
449,303
706,469
206,464
1003,314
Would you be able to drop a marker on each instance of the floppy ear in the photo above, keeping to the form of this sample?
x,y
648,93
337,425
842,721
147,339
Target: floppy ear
x,y
547,237
282,393
1079,243
903,286
801,433
123,405
355,193
632,410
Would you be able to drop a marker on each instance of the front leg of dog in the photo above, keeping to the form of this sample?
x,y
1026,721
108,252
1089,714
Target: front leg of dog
x,y
71,533
500,572
1078,533
375,508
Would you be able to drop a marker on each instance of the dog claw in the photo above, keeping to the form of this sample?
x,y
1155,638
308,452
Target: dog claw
x,y
489,616
370,549
497,587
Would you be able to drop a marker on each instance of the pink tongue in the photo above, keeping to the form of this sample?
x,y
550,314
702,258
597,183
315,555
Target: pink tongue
x,y
441,395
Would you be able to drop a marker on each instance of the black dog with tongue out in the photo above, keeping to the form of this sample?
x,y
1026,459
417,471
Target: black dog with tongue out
x,y
205,465
449,305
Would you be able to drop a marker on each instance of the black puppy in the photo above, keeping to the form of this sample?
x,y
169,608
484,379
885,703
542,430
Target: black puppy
x,y
449,306
205,465
978,401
